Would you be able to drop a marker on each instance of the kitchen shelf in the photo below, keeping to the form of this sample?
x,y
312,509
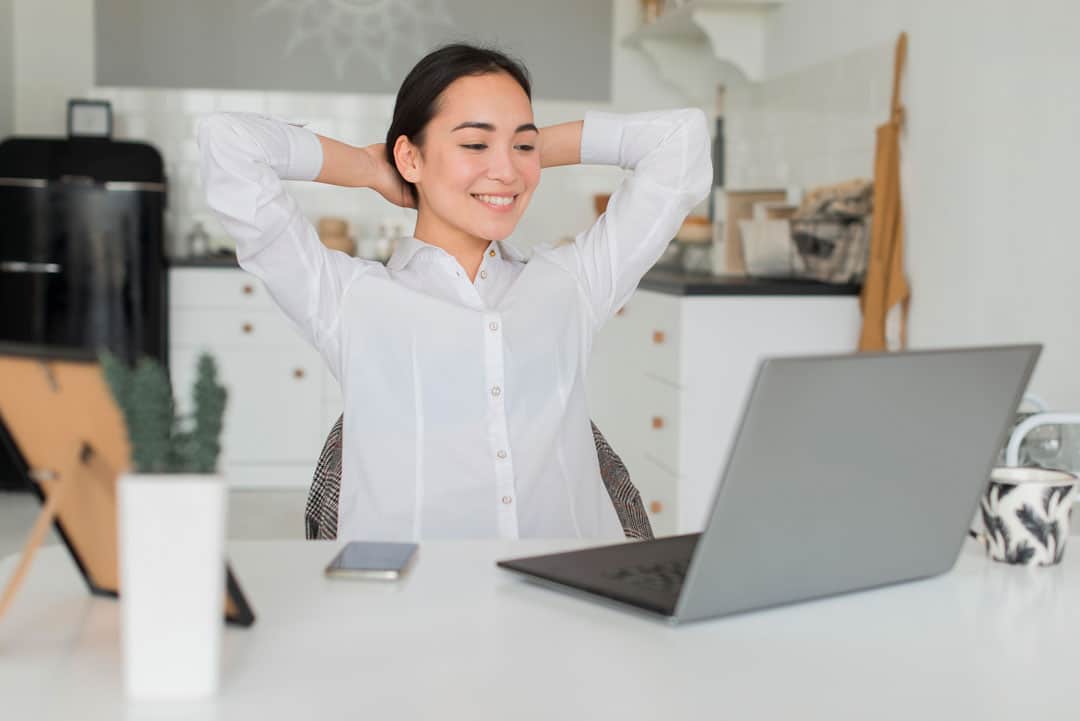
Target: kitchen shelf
x,y
688,43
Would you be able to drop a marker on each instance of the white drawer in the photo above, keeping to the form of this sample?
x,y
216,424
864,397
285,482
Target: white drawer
x,y
219,328
655,319
217,288
660,421
659,491
274,410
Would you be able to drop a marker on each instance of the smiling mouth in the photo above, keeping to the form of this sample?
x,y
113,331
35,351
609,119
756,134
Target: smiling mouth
x,y
496,202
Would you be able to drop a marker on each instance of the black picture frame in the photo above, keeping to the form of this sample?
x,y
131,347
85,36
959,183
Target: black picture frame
x,y
73,107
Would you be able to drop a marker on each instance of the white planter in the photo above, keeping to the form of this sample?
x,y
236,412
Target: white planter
x,y
172,583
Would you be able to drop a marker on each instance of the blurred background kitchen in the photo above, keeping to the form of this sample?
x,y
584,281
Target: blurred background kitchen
x,y
794,90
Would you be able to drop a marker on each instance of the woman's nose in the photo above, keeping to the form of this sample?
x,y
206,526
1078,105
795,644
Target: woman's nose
x,y
502,167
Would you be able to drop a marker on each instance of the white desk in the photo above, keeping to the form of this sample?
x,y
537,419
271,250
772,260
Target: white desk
x,y
462,639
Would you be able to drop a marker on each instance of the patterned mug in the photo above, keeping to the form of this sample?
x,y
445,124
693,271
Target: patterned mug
x,y
1025,515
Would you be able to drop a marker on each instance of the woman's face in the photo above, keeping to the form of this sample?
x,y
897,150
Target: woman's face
x,y
479,163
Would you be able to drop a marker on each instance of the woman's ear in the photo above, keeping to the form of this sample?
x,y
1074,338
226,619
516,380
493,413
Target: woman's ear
x,y
407,158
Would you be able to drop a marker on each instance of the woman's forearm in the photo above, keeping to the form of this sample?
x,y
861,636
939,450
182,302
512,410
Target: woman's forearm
x,y
347,165
362,167
560,144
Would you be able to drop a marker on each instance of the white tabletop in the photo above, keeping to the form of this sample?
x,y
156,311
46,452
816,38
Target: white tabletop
x,y
462,639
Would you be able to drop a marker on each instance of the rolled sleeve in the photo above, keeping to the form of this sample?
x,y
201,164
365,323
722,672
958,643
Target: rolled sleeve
x,y
601,138
305,154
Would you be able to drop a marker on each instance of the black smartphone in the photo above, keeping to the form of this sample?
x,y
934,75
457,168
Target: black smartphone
x,y
371,559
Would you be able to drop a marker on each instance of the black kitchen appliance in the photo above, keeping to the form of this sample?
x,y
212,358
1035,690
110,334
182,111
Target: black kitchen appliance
x,y
81,250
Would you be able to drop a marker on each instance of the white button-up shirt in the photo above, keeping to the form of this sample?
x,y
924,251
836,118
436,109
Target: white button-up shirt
x,y
465,407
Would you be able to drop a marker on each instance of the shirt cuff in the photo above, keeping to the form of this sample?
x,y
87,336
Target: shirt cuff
x,y
601,138
305,154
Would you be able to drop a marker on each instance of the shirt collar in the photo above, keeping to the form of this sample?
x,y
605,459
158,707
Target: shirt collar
x,y
404,250
407,248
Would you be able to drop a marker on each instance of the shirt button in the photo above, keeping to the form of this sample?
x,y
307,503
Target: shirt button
x,y
501,454
507,500
493,325
496,391
491,253
483,274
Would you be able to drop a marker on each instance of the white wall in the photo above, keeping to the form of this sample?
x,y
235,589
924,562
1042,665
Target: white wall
x,y
990,160
54,61
7,69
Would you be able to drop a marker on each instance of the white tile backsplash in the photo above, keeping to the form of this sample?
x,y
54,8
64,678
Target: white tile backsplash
x,y
194,102
807,127
242,102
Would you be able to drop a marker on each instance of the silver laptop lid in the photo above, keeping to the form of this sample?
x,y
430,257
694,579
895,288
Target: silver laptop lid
x,y
853,471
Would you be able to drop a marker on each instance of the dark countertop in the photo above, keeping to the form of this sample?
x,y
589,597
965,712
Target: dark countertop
x,y
221,260
677,282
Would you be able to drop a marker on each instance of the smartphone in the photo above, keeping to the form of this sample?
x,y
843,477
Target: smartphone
x,y
370,559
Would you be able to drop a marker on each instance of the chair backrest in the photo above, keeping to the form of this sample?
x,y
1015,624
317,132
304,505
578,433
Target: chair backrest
x,y
321,511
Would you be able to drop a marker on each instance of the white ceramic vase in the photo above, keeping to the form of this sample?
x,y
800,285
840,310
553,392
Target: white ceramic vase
x,y
172,583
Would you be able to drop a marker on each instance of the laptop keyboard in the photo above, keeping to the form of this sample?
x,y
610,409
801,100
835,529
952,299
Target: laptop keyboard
x,y
662,576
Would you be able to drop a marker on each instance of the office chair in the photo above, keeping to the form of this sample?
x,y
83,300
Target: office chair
x,y
321,511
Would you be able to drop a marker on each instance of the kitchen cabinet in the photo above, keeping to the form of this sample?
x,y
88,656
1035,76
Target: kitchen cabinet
x,y
670,373
281,401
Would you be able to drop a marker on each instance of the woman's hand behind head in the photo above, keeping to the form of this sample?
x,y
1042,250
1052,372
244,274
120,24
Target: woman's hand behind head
x,y
385,179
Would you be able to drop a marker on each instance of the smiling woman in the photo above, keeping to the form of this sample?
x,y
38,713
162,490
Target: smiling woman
x,y
462,366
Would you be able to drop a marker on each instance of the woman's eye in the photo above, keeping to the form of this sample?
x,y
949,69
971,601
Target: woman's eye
x,y
474,146
526,148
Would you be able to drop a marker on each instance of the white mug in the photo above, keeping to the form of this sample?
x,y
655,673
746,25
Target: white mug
x,y
1025,515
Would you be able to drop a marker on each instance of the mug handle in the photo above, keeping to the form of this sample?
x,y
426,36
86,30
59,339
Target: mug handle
x,y
1012,449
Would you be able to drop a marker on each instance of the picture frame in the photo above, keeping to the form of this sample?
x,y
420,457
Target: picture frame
x,y
70,437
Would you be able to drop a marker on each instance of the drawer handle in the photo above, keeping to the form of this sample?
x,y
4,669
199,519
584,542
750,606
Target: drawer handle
x,y
248,327
298,373
655,506
248,289
658,337
657,422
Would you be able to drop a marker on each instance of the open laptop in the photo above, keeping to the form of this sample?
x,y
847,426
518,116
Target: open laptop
x,y
848,472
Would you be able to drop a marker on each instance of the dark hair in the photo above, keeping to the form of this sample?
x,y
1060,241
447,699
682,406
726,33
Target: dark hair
x,y
417,99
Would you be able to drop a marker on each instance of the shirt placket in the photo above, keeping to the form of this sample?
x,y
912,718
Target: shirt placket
x,y
498,431
469,293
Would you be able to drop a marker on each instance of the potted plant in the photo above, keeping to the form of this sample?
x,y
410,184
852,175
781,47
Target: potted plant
x,y
171,517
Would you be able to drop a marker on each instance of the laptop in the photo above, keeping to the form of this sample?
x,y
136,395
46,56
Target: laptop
x,y
847,472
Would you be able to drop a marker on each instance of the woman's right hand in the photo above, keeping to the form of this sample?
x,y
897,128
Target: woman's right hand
x,y
385,179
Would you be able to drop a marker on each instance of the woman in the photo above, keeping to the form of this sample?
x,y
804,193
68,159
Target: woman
x,y
462,368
